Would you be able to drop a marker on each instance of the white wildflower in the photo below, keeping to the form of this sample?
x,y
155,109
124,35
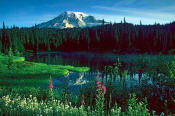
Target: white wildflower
x,y
30,96
46,110
112,110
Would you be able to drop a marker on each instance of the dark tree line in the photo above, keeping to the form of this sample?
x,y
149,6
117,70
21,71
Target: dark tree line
x,y
117,38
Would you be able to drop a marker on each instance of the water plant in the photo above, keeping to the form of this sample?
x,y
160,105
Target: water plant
x,y
136,108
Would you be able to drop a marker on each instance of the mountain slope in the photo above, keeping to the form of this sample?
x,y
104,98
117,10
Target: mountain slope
x,y
69,19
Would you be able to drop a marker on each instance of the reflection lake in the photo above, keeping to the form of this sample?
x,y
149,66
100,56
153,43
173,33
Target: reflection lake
x,y
136,75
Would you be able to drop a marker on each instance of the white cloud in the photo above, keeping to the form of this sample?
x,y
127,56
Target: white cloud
x,y
147,15
124,2
129,19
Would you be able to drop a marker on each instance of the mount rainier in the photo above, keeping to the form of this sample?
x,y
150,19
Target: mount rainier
x,y
69,19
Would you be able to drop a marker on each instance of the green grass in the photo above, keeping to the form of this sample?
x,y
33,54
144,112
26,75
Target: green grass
x,y
36,101
24,68
4,58
31,73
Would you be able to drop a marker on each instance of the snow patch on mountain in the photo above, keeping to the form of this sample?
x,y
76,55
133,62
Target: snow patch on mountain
x,y
70,19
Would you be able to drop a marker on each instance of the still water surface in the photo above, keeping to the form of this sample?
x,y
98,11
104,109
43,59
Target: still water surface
x,y
142,84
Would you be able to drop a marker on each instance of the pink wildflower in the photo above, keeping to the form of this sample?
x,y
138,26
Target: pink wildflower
x,y
51,84
99,86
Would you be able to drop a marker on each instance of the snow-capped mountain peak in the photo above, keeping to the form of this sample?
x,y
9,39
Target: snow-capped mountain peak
x,y
70,19
78,14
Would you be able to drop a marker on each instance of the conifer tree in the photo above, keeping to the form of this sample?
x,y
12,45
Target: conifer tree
x,y
124,20
0,47
140,22
10,59
103,22
3,38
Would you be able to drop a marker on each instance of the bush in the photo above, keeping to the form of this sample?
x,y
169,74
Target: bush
x,y
136,108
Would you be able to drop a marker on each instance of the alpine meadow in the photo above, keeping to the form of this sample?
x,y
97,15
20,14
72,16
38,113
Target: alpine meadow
x,y
102,58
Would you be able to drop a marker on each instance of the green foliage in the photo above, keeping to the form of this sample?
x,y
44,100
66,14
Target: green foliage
x,y
0,47
17,53
169,69
125,73
116,70
36,101
10,60
136,108
99,107
31,106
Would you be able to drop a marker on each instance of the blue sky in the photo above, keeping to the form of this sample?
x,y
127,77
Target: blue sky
x,y
26,13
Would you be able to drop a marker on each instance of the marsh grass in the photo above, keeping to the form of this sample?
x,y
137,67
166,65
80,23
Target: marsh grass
x,y
24,73
27,68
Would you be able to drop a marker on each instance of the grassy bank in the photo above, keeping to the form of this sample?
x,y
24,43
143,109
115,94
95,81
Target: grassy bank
x,y
16,71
